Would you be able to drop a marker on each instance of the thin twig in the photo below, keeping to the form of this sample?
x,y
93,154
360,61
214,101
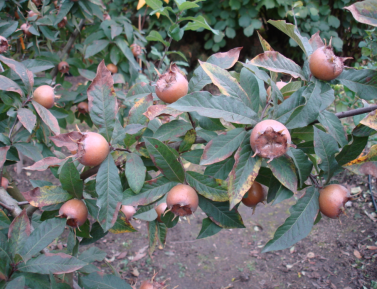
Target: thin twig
x,y
163,57
371,192
191,120
265,108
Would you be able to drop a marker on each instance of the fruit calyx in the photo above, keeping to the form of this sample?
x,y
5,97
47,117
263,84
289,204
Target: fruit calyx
x,y
270,139
136,50
182,200
160,209
75,211
83,108
63,67
3,44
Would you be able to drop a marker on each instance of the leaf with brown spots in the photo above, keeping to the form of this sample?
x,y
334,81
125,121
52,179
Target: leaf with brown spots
x,y
7,84
121,225
44,164
3,155
316,41
274,61
136,114
364,12
207,186
370,120
68,140
244,172
25,75
188,141
160,110
371,156
27,118
48,118
267,47
45,196
367,168
18,232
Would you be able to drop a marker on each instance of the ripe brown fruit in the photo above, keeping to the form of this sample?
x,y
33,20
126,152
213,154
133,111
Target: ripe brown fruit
x,y
4,183
75,211
82,107
63,67
182,200
3,44
128,211
136,50
171,85
45,96
112,68
147,285
270,139
26,29
325,65
254,196
37,2
16,15
332,200
62,23
160,209
280,85
93,149
32,14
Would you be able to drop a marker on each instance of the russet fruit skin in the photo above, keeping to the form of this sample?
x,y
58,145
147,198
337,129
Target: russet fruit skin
x,y
325,65
160,209
280,85
182,200
112,68
254,196
63,23
147,285
128,211
82,107
4,183
63,67
25,28
75,211
45,96
136,50
93,149
171,85
3,44
332,200
270,139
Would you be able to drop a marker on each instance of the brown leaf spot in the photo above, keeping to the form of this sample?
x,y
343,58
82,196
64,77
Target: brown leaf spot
x,y
369,168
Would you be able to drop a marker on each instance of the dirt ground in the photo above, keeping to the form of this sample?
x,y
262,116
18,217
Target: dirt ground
x,y
335,254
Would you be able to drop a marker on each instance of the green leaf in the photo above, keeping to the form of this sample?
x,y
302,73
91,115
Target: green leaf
x,y
303,164
59,263
27,118
284,170
46,195
197,23
325,148
364,12
254,87
274,61
70,179
136,114
7,84
96,232
96,280
123,46
4,220
165,160
220,214
220,170
171,130
220,106
47,118
88,74
352,151
42,236
155,36
95,47
222,59
102,103
207,186
293,32
122,225
29,150
146,213
298,225
363,82
212,124
6,259
334,126
35,65
193,156
109,190
25,75
277,192
18,232
63,11
222,146
92,254
135,172
16,283
150,192
244,172
188,141
208,229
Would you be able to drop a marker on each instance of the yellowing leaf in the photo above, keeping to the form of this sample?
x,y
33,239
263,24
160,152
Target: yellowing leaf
x,y
371,156
140,4
370,120
158,15
166,1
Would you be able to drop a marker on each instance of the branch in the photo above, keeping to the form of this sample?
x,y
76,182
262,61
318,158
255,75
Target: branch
x,y
68,46
8,202
356,111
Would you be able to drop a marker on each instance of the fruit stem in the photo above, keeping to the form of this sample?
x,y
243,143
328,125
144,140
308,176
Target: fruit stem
x,y
191,120
371,192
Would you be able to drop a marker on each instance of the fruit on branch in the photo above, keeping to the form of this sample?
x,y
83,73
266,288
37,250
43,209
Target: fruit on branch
x,y
136,50
3,44
112,68
325,65
82,107
254,196
63,67
45,96
4,183
171,85
182,200
93,149
160,209
147,285
62,23
332,200
32,14
280,85
106,16
270,139
26,29
75,211
128,211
